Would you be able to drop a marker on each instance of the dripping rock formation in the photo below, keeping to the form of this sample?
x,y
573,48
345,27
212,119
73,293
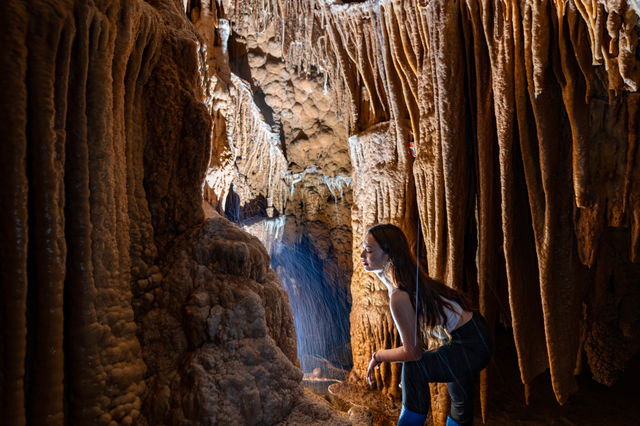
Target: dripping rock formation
x,y
120,304
188,184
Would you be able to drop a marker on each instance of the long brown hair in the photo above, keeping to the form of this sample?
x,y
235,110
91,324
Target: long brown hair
x,y
431,305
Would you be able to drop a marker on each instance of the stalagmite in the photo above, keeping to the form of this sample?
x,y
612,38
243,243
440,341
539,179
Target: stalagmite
x,y
225,341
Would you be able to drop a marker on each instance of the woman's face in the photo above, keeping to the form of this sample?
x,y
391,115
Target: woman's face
x,y
373,258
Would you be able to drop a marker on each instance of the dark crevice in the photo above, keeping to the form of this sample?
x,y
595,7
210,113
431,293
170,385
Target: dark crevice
x,y
249,211
239,65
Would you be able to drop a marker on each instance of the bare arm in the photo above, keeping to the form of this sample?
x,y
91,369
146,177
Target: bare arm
x,y
404,317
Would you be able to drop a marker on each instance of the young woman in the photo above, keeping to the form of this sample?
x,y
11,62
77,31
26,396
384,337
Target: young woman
x,y
446,342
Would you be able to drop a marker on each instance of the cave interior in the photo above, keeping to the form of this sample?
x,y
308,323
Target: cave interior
x,y
188,184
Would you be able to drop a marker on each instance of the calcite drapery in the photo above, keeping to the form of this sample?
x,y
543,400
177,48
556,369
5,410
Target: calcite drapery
x,y
68,293
548,92
495,96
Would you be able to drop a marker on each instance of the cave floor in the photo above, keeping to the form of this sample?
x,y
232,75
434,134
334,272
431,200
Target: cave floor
x,y
593,404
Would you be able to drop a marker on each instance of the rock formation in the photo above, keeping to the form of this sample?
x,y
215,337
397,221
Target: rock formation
x,y
525,119
131,127
120,304
283,153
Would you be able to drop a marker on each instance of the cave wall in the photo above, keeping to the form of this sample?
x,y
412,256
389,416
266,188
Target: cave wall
x,y
386,178
525,119
66,291
120,303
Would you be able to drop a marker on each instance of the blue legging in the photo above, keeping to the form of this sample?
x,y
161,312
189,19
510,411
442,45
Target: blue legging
x,y
457,364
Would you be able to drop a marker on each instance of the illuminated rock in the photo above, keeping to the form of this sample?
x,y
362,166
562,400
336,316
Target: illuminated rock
x,y
121,304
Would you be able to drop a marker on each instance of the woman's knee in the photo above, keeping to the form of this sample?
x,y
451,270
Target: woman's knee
x,y
415,388
462,397
462,412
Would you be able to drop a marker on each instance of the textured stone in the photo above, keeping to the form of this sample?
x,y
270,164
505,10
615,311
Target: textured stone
x,y
524,115
119,304
227,338
122,305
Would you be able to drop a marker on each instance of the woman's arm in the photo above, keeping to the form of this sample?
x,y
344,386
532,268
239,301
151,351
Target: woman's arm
x,y
404,317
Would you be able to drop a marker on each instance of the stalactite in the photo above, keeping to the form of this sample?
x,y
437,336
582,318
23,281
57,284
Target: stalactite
x,y
255,145
448,75
524,275
404,67
559,284
521,268
487,99
539,74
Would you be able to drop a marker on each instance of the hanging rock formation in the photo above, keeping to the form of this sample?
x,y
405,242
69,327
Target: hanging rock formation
x,y
283,169
119,303
525,117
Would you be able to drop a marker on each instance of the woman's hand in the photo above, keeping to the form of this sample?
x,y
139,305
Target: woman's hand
x,y
372,364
